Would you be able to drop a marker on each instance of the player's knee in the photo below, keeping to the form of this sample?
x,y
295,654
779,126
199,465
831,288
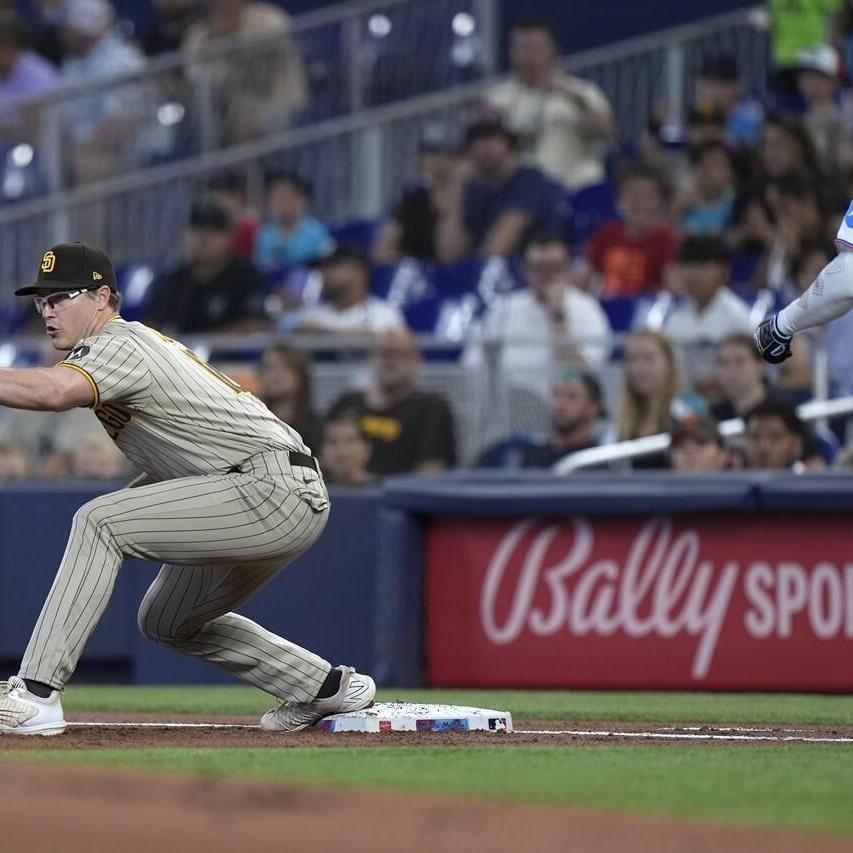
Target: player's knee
x,y
148,620
152,626
94,513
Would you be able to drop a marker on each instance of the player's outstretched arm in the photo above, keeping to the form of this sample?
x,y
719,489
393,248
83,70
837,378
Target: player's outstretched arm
x,y
45,389
829,297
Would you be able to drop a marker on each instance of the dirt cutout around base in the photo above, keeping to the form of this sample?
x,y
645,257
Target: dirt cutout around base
x,y
247,734
86,810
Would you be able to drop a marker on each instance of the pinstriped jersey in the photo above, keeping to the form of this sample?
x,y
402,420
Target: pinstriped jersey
x,y
170,413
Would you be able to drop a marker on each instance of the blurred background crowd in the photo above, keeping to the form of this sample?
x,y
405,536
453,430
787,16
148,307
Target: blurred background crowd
x,y
531,264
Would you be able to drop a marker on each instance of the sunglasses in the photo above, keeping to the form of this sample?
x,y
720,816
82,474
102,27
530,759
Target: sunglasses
x,y
56,301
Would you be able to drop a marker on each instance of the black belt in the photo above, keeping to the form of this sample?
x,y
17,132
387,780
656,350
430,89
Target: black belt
x,y
302,459
297,459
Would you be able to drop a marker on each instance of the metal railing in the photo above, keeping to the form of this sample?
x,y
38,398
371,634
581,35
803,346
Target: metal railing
x,y
637,448
225,91
491,400
358,161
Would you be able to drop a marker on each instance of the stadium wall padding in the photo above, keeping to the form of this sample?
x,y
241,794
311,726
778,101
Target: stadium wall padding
x,y
358,597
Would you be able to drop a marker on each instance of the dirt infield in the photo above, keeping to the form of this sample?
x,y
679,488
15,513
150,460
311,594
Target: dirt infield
x,y
158,731
95,811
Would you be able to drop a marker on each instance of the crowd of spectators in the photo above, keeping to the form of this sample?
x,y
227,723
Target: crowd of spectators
x,y
81,44
690,225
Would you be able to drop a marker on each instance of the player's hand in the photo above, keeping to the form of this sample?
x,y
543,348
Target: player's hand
x,y
771,343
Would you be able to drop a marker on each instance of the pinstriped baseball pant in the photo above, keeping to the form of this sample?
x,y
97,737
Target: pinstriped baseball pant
x,y
222,537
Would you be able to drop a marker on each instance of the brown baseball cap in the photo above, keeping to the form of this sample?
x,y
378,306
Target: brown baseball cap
x,y
701,428
72,266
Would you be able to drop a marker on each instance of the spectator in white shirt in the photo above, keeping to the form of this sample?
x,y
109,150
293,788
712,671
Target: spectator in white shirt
x,y
113,127
563,122
709,310
548,324
348,306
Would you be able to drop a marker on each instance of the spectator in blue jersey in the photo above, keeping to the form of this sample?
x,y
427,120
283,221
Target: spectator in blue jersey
x,y
503,203
291,236
704,204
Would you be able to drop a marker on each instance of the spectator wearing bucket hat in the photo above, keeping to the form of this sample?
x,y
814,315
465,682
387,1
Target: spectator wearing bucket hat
x,y
828,113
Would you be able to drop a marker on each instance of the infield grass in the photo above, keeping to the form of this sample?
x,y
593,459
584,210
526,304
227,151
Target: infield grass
x,y
797,785
721,708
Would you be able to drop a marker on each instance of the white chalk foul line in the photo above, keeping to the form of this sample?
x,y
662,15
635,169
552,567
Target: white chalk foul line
x,y
100,725
721,734
601,733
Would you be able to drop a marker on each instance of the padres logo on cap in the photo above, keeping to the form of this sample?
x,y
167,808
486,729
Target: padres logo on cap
x,y
48,261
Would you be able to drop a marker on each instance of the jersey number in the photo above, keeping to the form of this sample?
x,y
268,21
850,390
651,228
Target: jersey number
x,y
236,387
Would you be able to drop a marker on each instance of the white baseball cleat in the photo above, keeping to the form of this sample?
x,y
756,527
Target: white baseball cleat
x,y
22,713
355,693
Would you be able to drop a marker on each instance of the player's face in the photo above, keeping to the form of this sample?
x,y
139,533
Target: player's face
x,y
646,368
691,454
69,320
345,452
738,372
770,445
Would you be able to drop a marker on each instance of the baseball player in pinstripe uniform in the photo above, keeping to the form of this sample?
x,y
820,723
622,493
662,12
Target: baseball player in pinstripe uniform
x,y
230,496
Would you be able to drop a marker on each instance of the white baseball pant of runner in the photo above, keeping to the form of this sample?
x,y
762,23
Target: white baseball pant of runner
x,y
221,537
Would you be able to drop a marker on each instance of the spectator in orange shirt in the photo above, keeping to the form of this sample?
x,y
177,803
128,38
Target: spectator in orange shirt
x,y
629,258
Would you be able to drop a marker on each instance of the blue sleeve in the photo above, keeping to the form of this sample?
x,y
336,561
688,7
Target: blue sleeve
x,y
265,249
321,239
